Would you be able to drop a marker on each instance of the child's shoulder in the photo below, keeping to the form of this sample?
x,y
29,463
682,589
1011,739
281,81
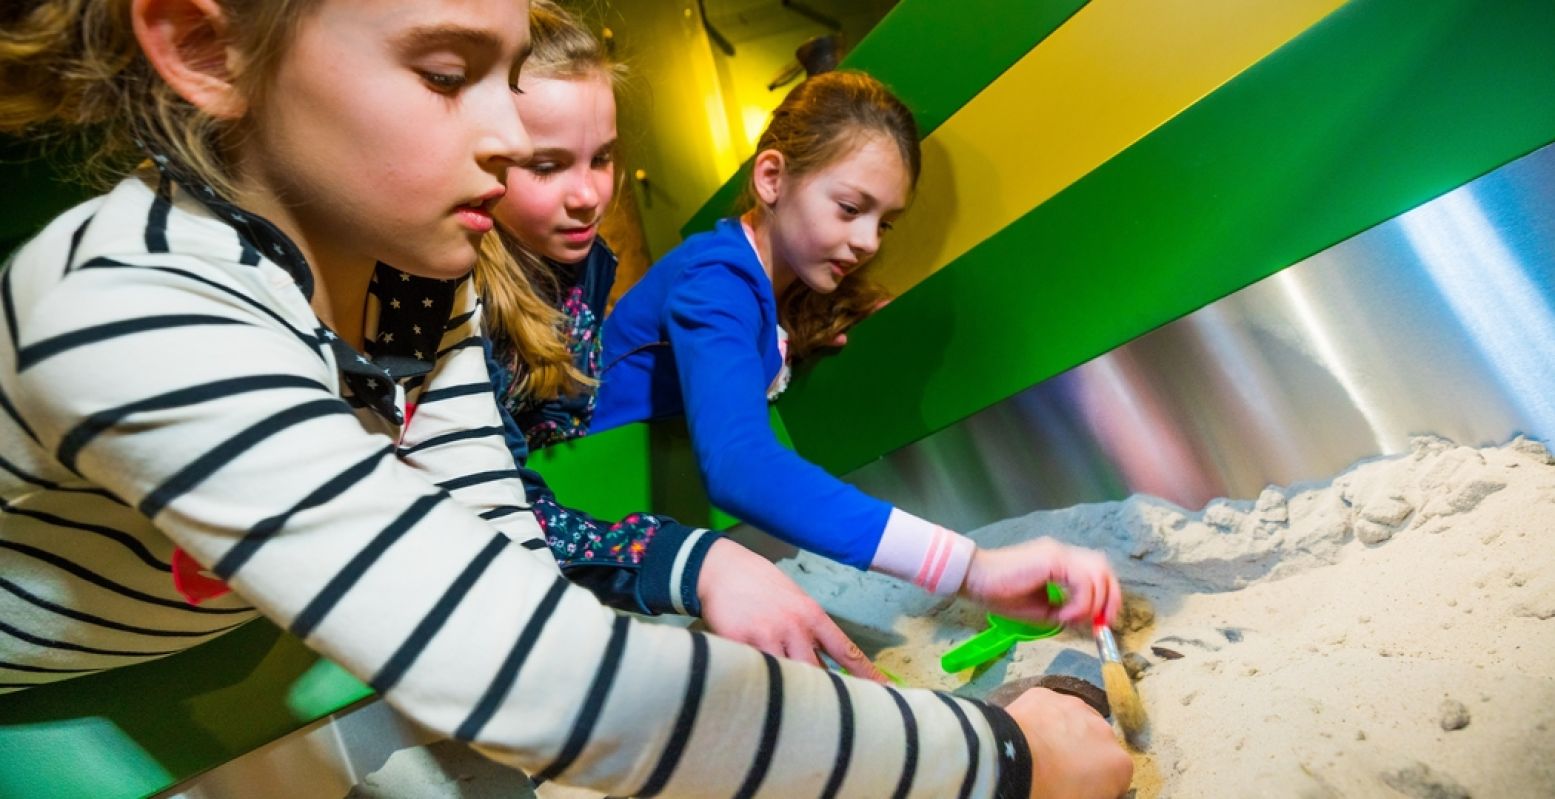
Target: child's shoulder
x,y
139,245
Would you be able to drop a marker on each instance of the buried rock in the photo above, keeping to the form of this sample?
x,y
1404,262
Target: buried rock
x,y
1057,683
1420,782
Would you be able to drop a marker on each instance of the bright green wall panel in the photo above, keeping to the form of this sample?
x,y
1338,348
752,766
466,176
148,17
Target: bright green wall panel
x,y
135,731
1378,108
606,475
936,56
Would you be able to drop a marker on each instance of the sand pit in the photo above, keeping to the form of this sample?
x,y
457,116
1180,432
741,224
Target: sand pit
x,y
1390,632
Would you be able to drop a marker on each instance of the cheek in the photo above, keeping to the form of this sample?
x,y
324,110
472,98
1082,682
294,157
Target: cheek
x,y
526,210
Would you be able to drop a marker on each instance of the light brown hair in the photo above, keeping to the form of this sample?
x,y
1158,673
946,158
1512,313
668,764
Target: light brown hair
x,y
823,119
535,344
73,68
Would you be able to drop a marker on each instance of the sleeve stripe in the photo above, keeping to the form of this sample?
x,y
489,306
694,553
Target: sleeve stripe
x,y
66,645
78,437
102,582
472,341
75,241
337,587
50,485
104,263
1011,753
769,731
79,615
696,684
439,394
465,481
262,532
156,219
508,673
910,765
534,544
844,739
973,747
42,669
202,467
247,255
501,511
34,354
130,542
16,417
449,438
406,655
594,703
456,321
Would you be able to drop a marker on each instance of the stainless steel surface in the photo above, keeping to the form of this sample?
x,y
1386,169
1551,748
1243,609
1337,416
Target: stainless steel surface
x,y
1440,321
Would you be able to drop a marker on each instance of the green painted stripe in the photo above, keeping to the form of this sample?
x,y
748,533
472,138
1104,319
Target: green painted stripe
x,y
1378,108
908,51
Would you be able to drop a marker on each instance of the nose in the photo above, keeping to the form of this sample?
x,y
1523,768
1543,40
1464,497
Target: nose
x,y
502,140
583,196
865,240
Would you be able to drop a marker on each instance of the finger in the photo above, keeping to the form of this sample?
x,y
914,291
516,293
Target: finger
x,y
802,649
1081,594
839,647
1115,599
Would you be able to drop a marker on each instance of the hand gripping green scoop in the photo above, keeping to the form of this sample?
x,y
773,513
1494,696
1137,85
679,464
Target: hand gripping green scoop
x,y
1002,634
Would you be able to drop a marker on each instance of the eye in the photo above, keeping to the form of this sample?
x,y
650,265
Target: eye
x,y
603,160
848,209
445,82
543,168
886,227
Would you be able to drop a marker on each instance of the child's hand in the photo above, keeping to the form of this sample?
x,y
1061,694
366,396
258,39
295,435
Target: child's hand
x,y
1012,581
747,599
1074,754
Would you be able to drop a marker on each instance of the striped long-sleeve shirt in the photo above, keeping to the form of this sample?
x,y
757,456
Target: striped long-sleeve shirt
x,y
165,389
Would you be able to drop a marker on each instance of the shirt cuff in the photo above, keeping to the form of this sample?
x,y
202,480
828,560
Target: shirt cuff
x,y
1011,753
671,568
923,553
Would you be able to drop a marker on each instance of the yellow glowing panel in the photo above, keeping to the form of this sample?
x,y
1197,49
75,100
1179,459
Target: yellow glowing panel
x,y
1106,78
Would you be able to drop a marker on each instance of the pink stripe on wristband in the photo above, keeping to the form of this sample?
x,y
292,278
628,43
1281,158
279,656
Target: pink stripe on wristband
x,y
923,553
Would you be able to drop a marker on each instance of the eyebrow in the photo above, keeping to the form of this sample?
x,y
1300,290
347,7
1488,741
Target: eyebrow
x,y
434,36
870,199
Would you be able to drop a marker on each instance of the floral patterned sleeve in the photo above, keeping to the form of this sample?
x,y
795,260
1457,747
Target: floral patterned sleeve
x,y
642,563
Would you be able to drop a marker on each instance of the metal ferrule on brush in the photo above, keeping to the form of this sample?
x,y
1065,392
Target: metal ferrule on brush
x,y
1107,645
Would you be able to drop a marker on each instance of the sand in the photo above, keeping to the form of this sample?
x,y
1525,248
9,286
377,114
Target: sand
x,y
1390,632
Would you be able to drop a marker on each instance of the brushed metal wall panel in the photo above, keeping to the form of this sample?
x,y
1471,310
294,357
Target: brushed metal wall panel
x,y
1440,321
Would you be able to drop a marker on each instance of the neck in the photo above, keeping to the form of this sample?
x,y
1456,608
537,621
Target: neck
x,y
340,278
776,270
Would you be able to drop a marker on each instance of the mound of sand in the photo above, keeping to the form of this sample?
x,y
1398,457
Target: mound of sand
x,y
1388,633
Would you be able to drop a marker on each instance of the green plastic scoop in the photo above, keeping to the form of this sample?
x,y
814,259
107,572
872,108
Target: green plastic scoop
x,y
1002,634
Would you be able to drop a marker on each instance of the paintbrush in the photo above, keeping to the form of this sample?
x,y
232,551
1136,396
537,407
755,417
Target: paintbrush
x,y
1127,710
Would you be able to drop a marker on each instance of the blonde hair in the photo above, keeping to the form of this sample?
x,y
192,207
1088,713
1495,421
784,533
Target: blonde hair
x,y
507,274
75,67
823,119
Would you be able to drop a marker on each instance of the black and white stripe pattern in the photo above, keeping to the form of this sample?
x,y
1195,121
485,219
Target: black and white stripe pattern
x,y
165,384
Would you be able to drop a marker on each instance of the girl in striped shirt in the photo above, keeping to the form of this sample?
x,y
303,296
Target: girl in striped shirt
x,y
209,369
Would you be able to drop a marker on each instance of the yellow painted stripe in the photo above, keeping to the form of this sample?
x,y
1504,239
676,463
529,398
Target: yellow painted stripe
x,y
1111,74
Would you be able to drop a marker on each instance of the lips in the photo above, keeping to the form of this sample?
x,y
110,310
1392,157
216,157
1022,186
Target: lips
x,y
476,216
577,235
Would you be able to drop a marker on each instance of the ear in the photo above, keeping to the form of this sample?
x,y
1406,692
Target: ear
x,y
767,176
188,44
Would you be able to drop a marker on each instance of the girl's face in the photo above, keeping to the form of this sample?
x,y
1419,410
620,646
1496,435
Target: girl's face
x,y
556,198
828,223
388,129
